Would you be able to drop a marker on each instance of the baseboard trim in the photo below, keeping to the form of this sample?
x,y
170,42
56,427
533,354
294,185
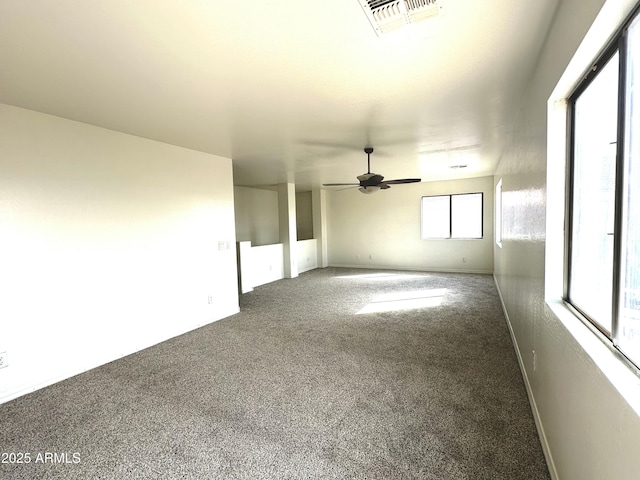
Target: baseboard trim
x,y
532,401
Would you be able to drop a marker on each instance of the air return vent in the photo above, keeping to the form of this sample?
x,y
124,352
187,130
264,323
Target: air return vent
x,y
389,15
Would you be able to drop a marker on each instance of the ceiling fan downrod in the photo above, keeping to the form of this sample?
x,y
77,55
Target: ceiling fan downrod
x,y
368,151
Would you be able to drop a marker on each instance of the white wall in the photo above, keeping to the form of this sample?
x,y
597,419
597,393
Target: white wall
x,y
306,251
108,244
266,264
382,230
256,215
590,428
319,214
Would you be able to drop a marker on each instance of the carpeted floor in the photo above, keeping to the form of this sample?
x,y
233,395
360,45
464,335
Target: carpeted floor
x,y
339,373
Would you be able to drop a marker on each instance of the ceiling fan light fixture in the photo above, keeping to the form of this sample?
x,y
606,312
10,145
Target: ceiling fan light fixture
x,y
369,189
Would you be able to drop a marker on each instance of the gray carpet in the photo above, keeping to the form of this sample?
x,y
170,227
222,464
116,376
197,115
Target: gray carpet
x,y
299,385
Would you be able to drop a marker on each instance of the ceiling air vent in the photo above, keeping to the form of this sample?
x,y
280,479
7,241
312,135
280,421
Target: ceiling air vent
x,y
388,15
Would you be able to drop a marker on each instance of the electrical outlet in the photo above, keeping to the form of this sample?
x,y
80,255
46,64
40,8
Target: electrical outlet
x,y
210,299
4,360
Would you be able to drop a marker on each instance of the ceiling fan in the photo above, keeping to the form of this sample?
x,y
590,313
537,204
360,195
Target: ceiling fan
x,y
372,182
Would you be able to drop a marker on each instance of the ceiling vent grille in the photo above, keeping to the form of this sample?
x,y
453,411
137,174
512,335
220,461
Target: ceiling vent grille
x,y
389,15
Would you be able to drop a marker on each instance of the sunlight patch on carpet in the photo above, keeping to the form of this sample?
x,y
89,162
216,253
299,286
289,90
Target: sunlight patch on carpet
x,y
401,301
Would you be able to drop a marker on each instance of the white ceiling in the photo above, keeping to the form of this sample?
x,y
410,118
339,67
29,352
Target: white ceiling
x,y
291,91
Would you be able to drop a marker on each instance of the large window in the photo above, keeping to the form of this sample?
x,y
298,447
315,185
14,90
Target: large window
x,y
628,325
603,248
595,116
452,216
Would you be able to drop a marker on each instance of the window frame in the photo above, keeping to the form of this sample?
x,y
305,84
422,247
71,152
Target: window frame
x,y
586,82
617,45
451,195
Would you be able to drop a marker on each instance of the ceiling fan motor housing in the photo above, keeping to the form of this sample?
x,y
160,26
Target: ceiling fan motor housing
x,y
369,179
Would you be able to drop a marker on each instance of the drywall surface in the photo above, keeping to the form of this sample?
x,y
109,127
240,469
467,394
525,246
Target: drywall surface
x,y
265,263
109,243
588,429
306,250
259,265
256,215
382,230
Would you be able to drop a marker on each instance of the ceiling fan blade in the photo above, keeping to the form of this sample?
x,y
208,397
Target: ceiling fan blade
x,y
340,184
402,180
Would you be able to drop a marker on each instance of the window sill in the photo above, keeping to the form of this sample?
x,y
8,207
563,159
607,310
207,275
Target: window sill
x,y
613,365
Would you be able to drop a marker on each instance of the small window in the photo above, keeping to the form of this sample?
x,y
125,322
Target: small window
x,y
452,216
498,213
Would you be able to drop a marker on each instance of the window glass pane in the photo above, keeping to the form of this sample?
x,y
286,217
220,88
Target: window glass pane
x,y
629,312
436,217
466,216
595,133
